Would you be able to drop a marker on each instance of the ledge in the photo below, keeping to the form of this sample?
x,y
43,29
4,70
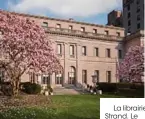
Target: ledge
x,y
137,34
61,31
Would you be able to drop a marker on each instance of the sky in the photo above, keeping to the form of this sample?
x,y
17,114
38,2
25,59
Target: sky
x,y
91,11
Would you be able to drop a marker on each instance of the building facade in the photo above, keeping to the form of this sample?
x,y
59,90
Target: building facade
x,y
133,16
85,51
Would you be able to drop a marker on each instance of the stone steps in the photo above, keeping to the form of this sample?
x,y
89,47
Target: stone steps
x,y
67,90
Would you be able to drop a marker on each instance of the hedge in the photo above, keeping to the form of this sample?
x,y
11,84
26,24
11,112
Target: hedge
x,y
30,88
124,89
107,87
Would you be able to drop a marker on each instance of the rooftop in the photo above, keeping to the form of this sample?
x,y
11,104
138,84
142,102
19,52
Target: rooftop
x,y
64,20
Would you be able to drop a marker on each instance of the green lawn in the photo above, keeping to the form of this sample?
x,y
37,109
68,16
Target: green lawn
x,y
62,107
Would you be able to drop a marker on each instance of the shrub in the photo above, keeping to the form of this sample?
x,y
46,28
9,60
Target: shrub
x,y
124,89
123,85
131,93
107,87
6,88
31,88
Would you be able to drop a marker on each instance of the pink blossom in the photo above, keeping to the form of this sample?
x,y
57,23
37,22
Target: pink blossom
x,y
132,66
27,46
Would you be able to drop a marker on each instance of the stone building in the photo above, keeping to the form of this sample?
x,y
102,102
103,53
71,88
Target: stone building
x,y
86,51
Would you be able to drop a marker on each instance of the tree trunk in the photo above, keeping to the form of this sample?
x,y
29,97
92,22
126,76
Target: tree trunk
x,y
15,87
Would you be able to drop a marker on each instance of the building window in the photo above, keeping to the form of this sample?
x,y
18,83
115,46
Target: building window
x,y
59,49
71,48
138,17
137,2
96,73
32,77
106,32
108,53
72,75
138,26
138,9
108,77
46,79
118,33
129,30
82,29
96,52
84,51
128,15
95,31
129,23
58,26
84,76
58,78
128,7
45,24
120,54
70,27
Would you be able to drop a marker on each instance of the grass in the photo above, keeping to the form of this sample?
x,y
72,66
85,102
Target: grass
x,y
62,107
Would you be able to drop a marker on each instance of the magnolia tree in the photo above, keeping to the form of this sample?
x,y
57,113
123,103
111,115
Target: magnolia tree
x,y
27,47
131,69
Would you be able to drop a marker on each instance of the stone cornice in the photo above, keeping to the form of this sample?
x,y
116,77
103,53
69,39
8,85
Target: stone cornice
x,y
64,20
137,34
75,33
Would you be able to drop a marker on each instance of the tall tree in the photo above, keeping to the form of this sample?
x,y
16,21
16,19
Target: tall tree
x,y
131,69
27,48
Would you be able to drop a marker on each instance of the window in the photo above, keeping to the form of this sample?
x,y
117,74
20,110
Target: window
x,y
82,29
72,77
118,33
59,49
46,79
138,17
128,15
70,27
137,2
138,26
32,77
120,54
129,30
108,77
138,9
84,52
58,26
84,76
71,48
45,24
128,7
95,31
58,78
96,52
106,32
96,73
108,53
129,23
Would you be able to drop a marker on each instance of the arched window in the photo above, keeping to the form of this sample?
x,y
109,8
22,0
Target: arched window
x,y
71,79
